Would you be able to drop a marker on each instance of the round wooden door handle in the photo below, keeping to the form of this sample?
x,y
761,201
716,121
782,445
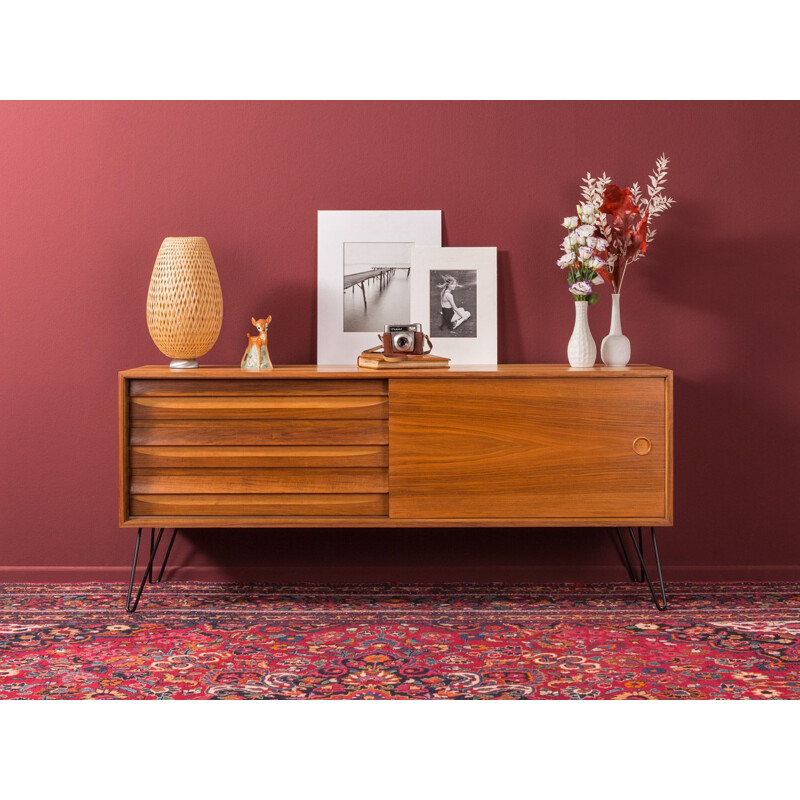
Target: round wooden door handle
x,y
642,446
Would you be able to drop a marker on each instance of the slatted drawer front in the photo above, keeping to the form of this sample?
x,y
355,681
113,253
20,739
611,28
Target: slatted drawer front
x,y
252,505
260,481
256,388
258,448
277,456
209,408
256,432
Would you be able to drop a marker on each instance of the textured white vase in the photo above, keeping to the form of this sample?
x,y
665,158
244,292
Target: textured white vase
x,y
581,350
615,349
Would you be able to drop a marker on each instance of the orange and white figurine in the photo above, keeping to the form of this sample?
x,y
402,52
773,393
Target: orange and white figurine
x,y
256,356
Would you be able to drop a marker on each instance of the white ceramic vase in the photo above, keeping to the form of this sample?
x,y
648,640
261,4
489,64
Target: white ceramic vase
x,y
581,350
615,349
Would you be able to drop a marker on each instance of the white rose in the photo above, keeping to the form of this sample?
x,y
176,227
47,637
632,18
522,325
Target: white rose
x,y
581,287
601,245
570,223
597,263
585,253
586,213
566,260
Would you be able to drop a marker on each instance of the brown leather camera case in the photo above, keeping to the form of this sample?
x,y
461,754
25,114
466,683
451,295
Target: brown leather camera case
x,y
419,344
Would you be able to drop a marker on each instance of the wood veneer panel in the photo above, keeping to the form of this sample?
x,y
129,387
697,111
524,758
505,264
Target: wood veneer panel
x,y
668,425
322,374
124,453
276,456
527,448
233,505
186,435
278,407
252,386
294,521
250,432
359,480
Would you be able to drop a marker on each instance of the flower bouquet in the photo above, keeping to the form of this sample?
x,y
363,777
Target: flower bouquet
x,y
584,254
612,230
585,262
623,218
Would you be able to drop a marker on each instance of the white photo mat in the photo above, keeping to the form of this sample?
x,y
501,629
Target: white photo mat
x,y
468,333
353,243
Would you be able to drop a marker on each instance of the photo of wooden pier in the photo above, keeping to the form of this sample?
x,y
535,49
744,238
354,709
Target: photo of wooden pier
x,y
381,274
376,284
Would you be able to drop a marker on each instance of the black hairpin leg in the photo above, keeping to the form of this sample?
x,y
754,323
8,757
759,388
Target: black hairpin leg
x,y
166,557
644,576
153,551
631,574
155,541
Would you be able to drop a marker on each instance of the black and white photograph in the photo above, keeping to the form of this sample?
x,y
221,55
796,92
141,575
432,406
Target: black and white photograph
x,y
454,303
376,285
454,297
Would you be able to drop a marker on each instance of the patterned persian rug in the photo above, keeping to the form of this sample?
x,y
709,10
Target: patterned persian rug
x,y
459,641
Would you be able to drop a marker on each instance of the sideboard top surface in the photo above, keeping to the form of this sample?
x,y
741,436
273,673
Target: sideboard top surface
x,y
295,371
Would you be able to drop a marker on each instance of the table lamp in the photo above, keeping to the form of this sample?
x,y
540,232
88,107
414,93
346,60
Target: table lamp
x,y
184,302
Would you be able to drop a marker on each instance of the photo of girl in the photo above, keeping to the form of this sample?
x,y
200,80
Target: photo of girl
x,y
453,302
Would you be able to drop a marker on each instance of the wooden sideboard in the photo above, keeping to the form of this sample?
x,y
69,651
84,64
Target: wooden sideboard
x,y
311,446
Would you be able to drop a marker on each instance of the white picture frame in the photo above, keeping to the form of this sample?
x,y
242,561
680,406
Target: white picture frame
x,y
348,240
464,279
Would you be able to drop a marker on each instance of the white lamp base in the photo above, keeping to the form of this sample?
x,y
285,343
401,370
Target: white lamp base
x,y
183,363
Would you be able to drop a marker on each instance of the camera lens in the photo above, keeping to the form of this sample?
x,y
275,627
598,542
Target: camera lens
x,y
402,342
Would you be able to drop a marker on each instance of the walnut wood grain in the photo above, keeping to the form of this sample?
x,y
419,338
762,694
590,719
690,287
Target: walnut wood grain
x,y
124,452
238,505
296,521
530,448
257,386
274,456
275,407
350,373
280,480
249,432
668,436
512,446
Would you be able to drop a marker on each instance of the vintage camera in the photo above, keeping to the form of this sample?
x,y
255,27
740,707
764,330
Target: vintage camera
x,y
406,340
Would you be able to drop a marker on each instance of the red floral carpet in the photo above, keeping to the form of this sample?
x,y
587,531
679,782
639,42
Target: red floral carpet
x,y
465,641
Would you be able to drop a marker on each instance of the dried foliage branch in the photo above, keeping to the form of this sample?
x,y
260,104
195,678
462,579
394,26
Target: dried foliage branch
x,y
623,216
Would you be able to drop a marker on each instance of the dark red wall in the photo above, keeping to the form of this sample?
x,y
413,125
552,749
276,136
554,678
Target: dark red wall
x,y
89,190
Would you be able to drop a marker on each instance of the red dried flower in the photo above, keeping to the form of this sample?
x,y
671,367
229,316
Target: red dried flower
x,y
624,217
617,201
627,230
641,233
604,274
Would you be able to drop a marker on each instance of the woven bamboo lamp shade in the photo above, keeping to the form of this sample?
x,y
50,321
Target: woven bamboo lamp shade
x,y
184,302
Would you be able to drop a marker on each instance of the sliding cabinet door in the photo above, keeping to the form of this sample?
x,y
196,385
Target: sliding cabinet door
x,y
559,449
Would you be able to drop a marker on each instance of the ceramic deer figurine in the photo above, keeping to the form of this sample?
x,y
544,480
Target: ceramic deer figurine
x,y
256,356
